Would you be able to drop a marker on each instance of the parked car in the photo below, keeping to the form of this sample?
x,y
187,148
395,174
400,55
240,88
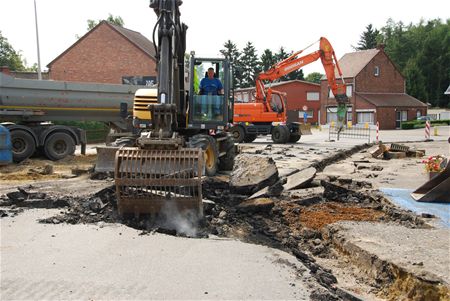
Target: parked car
x,y
425,118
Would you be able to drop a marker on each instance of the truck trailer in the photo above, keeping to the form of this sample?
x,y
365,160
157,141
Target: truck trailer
x,y
28,108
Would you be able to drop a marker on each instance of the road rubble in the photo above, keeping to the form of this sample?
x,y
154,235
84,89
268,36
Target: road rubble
x,y
305,212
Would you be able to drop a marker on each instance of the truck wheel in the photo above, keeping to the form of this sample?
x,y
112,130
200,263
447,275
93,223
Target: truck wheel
x,y
294,138
227,162
250,138
58,146
23,145
280,134
238,133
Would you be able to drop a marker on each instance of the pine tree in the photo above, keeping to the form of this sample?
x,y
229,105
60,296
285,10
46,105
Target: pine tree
x,y
368,39
267,60
250,65
231,52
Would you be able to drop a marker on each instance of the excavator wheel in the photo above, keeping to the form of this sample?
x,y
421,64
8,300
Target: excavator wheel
x,y
226,162
280,134
211,153
250,138
294,137
238,133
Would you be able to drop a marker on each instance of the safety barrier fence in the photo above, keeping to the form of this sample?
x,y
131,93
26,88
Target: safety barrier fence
x,y
349,131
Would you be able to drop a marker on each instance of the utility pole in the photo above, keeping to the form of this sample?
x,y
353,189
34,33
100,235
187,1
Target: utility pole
x,y
37,42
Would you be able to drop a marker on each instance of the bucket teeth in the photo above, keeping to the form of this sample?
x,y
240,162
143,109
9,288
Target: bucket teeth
x,y
148,180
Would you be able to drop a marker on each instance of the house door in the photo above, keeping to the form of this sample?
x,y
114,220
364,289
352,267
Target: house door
x,y
292,116
399,117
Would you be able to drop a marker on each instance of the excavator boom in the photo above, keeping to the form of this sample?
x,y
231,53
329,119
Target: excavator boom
x,y
295,62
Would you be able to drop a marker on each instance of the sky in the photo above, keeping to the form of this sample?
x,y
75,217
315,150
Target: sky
x,y
268,24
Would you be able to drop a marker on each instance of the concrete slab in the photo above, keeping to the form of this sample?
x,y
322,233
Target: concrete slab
x,y
298,179
339,169
387,250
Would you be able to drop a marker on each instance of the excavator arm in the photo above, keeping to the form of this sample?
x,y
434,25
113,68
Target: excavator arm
x,y
295,62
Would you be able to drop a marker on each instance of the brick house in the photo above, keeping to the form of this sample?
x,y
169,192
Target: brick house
x,y
107,54
376,89
298,94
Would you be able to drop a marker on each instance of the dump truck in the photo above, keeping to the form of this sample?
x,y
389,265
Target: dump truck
x,y
27,108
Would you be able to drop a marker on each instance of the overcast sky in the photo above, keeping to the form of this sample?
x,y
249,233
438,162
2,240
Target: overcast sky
x,y
293,24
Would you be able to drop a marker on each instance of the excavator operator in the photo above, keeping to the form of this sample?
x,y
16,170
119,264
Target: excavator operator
x,y
211,85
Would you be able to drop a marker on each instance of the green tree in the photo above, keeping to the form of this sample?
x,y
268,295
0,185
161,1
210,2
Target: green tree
x,y
415,81
368,39
111,19
231,52
10,57
250,65
314,77
267,60
422,54
296,74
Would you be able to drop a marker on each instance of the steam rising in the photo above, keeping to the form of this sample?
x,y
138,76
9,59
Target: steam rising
x,y
184,222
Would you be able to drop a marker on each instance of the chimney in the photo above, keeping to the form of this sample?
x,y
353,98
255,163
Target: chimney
x,y
381,46
5,69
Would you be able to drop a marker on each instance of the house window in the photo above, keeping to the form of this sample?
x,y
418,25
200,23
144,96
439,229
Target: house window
x,y
365,117
376,71
330,94
309,112
349,90
312,96
418,113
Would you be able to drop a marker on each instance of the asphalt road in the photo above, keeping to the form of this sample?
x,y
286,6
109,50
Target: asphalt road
x,y
114,262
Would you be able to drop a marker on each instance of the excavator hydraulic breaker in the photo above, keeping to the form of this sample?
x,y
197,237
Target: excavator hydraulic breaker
x,y
148,181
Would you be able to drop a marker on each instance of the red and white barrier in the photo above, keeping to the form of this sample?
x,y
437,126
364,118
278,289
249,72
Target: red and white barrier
x,y
427,130
378,128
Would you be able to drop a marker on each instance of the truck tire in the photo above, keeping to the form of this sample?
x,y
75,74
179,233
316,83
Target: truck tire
x,y
294,138
238,133
280,134
250,138
211,153
58,146
23,145
227,162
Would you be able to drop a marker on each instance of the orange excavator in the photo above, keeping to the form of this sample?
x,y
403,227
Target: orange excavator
x,y
267,113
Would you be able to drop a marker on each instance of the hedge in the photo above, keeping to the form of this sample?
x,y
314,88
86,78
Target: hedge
x,y
417,124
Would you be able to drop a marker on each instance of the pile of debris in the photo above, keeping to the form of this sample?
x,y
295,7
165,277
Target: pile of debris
x,y
395,151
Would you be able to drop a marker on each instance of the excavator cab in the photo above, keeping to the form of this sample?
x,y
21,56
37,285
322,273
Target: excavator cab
x,y
209,110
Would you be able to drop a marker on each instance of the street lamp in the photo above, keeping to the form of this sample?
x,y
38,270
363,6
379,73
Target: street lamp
x,y
37,43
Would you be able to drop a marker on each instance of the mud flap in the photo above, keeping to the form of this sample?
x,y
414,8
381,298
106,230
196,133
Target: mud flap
x,y
106,156
436,190
147,181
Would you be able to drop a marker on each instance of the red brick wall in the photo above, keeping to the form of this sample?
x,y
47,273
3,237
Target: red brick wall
x,y
103,56
389,80
387,115
296,98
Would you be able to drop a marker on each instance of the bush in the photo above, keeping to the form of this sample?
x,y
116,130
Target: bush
x,y
408,125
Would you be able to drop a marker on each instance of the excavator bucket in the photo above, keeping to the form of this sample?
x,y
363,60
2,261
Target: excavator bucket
x,y
305,129
148,181
435,190
105,158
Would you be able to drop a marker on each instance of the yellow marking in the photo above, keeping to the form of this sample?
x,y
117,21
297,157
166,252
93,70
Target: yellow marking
x,y
59,108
